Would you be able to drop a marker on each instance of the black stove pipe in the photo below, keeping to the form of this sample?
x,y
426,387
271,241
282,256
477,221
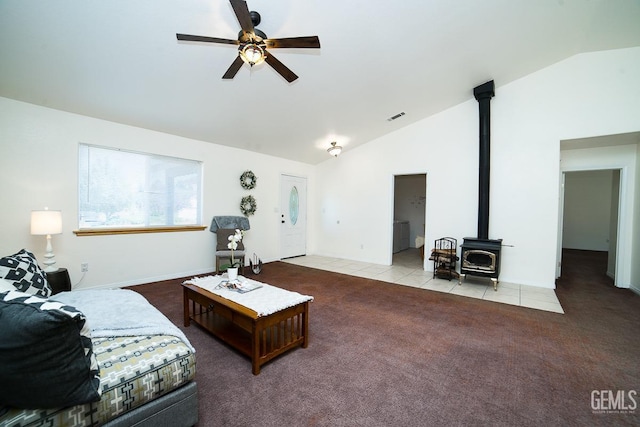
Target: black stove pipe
x,y
483,95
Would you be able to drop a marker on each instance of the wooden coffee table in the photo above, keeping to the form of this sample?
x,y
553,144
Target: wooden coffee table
x,y
260,337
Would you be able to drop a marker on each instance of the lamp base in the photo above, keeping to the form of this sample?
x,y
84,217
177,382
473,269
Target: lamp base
x,y
49,257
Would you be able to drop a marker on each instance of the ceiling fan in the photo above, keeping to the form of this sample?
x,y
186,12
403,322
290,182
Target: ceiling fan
x,y
253,43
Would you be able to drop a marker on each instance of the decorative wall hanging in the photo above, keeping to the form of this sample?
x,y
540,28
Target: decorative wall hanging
x,y
248,205
248,180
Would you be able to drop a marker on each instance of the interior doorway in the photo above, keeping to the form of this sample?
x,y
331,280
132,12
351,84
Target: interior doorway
x,y
590,214
409,227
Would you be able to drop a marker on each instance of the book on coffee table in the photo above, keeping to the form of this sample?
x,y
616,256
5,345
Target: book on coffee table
x,y
240,287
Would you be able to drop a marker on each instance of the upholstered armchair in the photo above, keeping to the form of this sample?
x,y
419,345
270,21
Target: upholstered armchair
x,y
224,226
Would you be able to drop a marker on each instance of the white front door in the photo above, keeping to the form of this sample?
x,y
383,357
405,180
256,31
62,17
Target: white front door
x,y
293,216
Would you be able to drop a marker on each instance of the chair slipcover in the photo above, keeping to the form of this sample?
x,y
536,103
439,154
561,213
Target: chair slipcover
x,y
224,226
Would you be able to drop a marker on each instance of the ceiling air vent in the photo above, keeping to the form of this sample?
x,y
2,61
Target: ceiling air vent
x,y
397,116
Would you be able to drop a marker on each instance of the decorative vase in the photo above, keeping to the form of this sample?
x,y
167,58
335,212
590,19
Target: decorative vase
x,y
232,272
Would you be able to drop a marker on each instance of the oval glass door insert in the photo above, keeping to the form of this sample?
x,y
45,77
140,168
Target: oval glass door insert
x,y
294,205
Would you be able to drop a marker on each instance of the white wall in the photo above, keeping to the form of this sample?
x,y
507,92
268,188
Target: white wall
x,y
635,262
355,195
38,168
586,95
613,223
587,210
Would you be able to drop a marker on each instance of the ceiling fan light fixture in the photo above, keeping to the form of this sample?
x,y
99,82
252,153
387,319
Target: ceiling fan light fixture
x,y
334,150
252,43
252,54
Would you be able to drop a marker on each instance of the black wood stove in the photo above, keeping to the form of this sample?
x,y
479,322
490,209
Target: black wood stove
x,y
481,255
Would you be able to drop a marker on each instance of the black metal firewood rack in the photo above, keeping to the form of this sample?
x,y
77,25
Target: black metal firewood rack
x,y
444,257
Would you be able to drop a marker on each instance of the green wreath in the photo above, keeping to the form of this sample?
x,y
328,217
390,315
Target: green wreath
x,y
248,205
248,180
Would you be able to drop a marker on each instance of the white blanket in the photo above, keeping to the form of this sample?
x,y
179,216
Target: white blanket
x,y
120,312
264,301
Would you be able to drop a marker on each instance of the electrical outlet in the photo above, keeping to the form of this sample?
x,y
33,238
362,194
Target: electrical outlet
x,y
84,267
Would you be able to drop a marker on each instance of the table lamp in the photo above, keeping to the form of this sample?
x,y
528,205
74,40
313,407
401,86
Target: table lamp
x,y
43,223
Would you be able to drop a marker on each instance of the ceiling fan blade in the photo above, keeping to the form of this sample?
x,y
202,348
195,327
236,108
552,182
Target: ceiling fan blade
x,y
311,42
233,69
190,38
280,68
242,13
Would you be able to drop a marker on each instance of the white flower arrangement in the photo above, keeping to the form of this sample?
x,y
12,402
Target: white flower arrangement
x,y
234,239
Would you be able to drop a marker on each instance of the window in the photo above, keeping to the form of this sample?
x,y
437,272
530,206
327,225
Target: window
x,y
123,189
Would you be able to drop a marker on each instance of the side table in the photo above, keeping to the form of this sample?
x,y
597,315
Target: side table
x,y
59,280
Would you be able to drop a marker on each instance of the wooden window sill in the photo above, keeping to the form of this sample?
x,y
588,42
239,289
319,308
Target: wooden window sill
x,y
136,230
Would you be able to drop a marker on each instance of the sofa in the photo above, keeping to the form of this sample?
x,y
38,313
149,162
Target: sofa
x,y
88,357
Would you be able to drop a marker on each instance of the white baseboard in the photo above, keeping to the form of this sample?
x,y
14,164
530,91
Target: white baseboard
x,y
144,280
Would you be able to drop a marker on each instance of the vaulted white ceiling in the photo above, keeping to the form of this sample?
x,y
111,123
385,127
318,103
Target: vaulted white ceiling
x,y
119,60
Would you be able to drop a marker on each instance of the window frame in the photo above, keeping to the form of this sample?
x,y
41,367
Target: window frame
x,y
137,229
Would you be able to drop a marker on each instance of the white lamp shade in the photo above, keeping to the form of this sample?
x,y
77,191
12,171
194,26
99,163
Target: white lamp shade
x,y
46,222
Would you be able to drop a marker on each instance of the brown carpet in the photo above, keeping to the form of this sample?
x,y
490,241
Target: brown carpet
x,y
389,355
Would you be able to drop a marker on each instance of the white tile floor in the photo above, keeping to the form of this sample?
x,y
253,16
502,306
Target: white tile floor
x,y
407,270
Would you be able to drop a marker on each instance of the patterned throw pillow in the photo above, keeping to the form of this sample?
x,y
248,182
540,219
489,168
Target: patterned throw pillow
x,y
23,270
46,354
6,285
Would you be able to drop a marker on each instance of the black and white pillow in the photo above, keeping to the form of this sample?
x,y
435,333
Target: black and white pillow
x,y
6,285
23,270
47,358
